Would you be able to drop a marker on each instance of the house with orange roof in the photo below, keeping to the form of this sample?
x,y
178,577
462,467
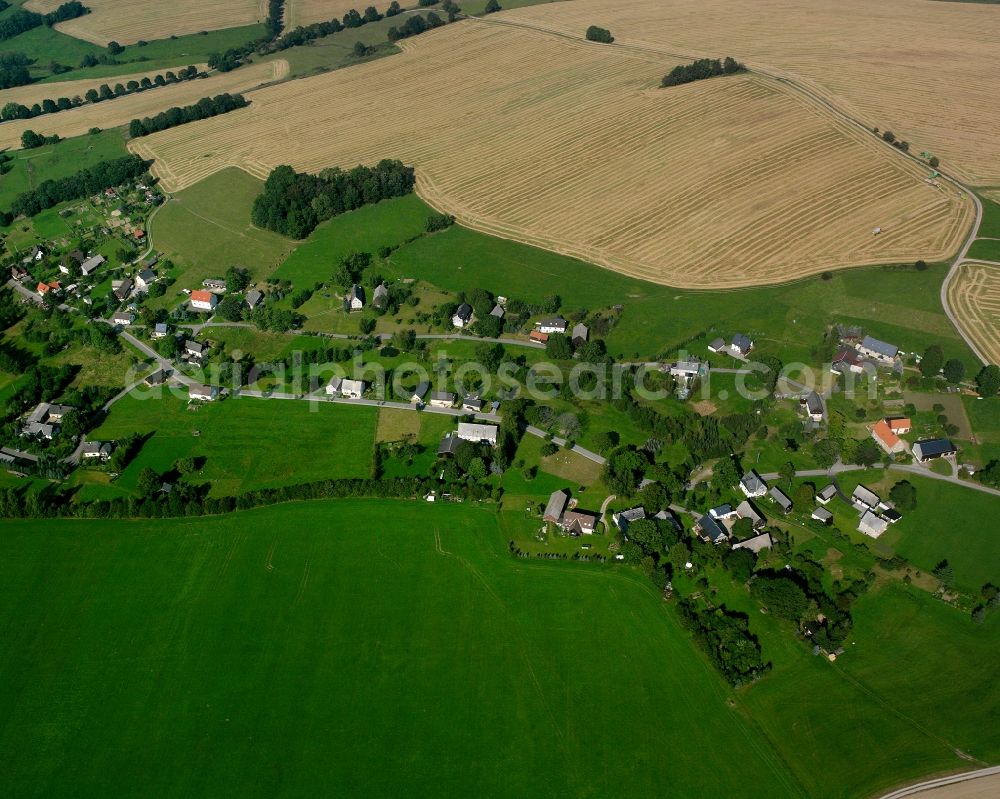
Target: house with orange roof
x,y
887,439
45,288
203,300
899,425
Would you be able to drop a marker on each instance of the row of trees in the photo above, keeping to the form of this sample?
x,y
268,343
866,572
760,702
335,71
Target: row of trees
x,y
700,69
293,203
20,21
415,25
206,107
352,19
101,93
74,187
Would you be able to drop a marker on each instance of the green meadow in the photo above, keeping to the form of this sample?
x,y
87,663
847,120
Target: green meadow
x,y
398,645
245,443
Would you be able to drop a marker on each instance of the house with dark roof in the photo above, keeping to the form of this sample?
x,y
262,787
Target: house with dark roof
x,y
932,449
498,311
723,512
623,518
846,360
472,403
449,445
880,351
195,349
145,279
741,345
579,522
92,450
442,399
554,325
462,317
122,290
812,406
160,330
157,378
420,392
711,529
781,499
355,299
122,318
717,345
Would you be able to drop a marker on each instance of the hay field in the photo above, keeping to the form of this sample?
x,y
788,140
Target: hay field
x,y
36,92
974,297
567,145
126,23
925,70
122,110
306,12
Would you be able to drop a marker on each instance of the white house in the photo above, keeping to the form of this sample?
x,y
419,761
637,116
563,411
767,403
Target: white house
x,y
145,279
442,399
554,325
478,433
355,298
122,318
197,391
202,300
96,449
872,525
752,485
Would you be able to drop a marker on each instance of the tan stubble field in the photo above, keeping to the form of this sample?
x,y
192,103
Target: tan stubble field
x,y
974,296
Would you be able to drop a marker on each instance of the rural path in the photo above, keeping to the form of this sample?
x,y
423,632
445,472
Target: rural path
x,y
827,104
978,784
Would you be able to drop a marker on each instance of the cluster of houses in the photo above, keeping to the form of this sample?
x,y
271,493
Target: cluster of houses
x,y
563,512
856,351
887,432
354,300
207,297
875,516
544,328
45,421
717,525
740,346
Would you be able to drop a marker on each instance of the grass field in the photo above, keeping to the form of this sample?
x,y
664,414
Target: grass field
x,y
692,203
986,249
206,229
974,295
203,646
121,110
246,443
863,57
152,19
53,161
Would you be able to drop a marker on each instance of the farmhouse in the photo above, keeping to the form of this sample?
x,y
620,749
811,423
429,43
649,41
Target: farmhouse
x,y
478,433
752,485
685,370
353,389
214,284
254,298
355,299
45,288
196,391
899,425
122,318
442,399
145,279
157,378
886,439
472,403
822,515
782,500
579,522
380,296
580,334
202,300
864,499
89,265
826,494
96,449
932,449
741,345
624,517
717,345
812,406
723,512
872,525
746,510
420,391
43,421
121,289
878,350
847,360
755,544
555,506
195,349
462,316
554,325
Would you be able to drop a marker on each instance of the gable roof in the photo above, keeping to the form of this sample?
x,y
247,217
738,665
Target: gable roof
x,y
464,312
828,493
882,432
872,525
254,297
421,389
746,510
478,432
581,520
933,447
881,347
712,528
781,498
742,342
867,496
755,544
449,444
200,295
753,482
899,423
356,293
717,344
822,515
581,331
497,311
556,505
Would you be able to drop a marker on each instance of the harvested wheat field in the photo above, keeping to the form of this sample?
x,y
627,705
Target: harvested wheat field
x,y
36,92
974,297
567,145
128,22
925,70
306,12
121,110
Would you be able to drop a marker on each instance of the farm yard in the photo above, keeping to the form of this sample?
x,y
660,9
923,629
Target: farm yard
x,y
974,295
153,19
121,110
919,69
688,199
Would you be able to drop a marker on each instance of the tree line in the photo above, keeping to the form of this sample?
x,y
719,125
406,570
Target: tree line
x,y
76,186
20,21
700,69
101,93
293,203
206,107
